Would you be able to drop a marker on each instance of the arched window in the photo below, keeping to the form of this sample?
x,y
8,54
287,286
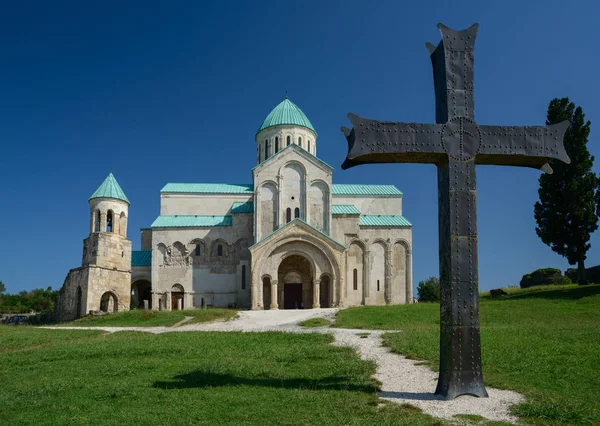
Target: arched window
x,y
355,279
197,249
243,277
219,250
109,221
300,142
98,219
377,285
276,144
266,149
297,212
308,145
288,141
288,215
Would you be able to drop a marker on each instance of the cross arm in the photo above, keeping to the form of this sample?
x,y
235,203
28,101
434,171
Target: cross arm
x,y
528,146
371,141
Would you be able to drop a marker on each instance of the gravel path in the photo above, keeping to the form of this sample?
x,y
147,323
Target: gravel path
x,y
403,381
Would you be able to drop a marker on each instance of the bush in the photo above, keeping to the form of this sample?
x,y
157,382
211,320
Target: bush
x,y
429,290
592,274
544,276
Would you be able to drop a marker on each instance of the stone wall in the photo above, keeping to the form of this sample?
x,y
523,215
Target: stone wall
x,y
372,205
70,297
108,250
103,280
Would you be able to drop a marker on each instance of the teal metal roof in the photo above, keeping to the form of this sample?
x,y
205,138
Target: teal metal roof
x,y
307,224
395,221
141,258
110,189
286,112
209,188
345,189
191,221
344,209
239,207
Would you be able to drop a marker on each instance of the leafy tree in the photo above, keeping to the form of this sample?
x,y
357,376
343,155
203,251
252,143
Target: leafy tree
x,y
429,290
2,287
566,214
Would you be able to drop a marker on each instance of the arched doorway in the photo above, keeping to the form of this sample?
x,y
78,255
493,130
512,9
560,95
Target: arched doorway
x,y
141,294
108,303
177,297
295,273
266,292
325,292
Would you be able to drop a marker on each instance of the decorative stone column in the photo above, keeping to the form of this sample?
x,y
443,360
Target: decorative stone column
x,y
169,303
341,298
116,223
387,288
316,294
409,286
154,297
280,211
367,276
274,305
306,200
103,222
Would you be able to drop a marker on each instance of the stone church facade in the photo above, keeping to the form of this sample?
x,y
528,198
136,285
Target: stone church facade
x,y
292,238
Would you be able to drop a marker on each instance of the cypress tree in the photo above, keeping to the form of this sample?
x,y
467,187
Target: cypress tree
x,y
567,213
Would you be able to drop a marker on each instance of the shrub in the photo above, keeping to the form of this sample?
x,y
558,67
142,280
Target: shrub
x,y
429,290
544,276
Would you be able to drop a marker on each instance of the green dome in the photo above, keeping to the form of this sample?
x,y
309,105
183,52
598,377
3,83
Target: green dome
x,y
110,189
286,112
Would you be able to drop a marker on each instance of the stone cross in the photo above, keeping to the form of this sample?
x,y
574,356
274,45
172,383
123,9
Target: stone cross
x,y
455,145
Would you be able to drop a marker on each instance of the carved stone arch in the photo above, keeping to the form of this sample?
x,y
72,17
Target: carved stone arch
x,y
293,187
178,254
403,242
268,207
110,221
306,238
165,258
356,273
96,220
362,243
290,163
401,272
225,252
319,196
381,241
378,270
326,289
263,276
123,224
197,250
316,270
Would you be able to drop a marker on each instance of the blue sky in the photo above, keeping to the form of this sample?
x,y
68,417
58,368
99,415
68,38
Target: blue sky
x,y
175,91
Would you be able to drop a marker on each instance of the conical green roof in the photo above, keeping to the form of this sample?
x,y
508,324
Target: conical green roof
x,y
286,112
110,189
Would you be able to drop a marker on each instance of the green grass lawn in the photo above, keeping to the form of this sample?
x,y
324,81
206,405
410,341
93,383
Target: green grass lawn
x,y
57,377
148,318
543,342
315,322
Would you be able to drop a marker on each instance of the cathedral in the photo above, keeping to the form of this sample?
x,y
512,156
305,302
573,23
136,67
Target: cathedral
x,y
290,239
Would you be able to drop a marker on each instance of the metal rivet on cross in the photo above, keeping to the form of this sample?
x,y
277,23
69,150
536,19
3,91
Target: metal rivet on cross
x,y
456,144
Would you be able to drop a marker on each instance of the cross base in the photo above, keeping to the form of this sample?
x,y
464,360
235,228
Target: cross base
x,y
451,385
